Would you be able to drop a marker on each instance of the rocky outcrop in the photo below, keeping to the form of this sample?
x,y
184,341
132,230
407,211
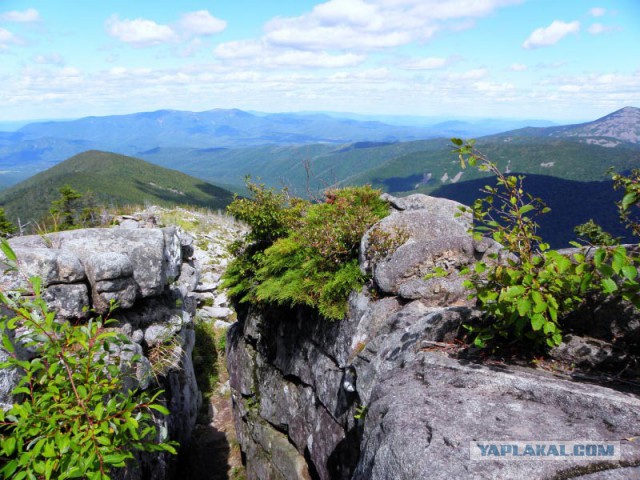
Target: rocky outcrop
x,y
379,395
141,270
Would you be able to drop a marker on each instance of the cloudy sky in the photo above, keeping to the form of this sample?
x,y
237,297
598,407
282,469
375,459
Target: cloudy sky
x,y
550,59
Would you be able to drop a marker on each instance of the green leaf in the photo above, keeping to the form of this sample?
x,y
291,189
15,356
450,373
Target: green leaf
x,y
526,209
537,321
8,445
7,250
628,200
524,306
608,285
630,272
159,408
514,291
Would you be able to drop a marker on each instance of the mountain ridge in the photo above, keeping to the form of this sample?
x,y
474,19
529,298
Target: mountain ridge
x,y
112,179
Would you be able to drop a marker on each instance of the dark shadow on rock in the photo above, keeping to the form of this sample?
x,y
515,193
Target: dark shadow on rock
x,y
206,456
344,458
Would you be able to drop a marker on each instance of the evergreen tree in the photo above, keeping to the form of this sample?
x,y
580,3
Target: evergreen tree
x,y
6,227
66,206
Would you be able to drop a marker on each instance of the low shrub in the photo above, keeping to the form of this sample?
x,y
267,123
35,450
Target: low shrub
x,y
73,418
300,253
526,294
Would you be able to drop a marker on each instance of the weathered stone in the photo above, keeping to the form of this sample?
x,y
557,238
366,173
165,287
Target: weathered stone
x,y
587,352
440,207
129,224
172,257
145,249
161,332
125,297
108,266
68,300
242,356
51,265
415,226
189,276
412,270
9,378
222,313
422,416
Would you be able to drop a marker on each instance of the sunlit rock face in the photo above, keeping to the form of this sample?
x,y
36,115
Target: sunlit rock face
x,y
379,395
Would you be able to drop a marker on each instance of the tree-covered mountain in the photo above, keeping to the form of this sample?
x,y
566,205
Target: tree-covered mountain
x,y
40,145
113,180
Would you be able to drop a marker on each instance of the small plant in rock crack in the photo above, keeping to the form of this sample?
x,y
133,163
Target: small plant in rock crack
x,y
527,291
72,418
383,243
361,412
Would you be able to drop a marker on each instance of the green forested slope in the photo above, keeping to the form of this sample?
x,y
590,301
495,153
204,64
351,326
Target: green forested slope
x,y
114,180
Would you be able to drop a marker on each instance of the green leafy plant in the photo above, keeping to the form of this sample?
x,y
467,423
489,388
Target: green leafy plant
x,y
309,255
628,206
72,417
593,234
383,243
361,412
526,293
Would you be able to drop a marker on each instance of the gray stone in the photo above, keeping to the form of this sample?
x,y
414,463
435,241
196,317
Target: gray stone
x,y
406,271
172,255
144,247
9,378
422,416
129,224
189,276
441,207
221,313
418,226
108,266
124,298
587,352
160,333
51,265
70,301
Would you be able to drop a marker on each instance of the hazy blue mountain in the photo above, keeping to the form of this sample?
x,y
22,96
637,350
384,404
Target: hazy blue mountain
x,y
218,128
619,127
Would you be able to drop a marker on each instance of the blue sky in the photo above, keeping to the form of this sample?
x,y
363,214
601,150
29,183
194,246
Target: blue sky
x,y
550,59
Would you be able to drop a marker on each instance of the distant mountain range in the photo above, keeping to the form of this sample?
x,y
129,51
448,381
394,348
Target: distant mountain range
x,y
113,180
308,152
40,145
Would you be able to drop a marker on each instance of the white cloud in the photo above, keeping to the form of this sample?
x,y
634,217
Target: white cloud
x,y
547,36
29,15
598,28
518,67
239,49
259,54
374,24
7,38
597,12
48,59
201,23
429,63
139,32
475,74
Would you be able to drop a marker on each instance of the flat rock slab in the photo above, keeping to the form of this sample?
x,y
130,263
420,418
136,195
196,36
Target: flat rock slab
x,y
423,416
